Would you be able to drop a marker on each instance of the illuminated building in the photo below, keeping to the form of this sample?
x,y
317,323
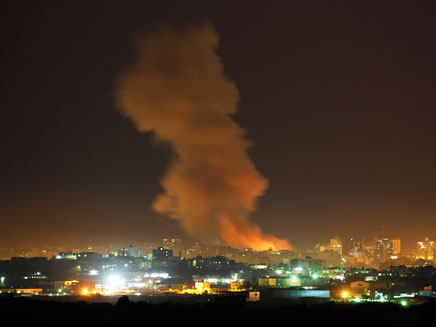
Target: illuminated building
x,y
303,266
130,251
396,246
236,286
425,249
66,255
174,244
336,245
202,287
280,281
385,247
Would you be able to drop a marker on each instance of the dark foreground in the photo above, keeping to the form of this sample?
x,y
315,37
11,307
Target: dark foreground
x,y
29,311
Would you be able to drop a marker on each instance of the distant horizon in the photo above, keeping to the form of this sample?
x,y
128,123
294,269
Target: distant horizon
x,y
407,247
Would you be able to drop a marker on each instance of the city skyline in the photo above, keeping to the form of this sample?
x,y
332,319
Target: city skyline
x,y
380,247
337,101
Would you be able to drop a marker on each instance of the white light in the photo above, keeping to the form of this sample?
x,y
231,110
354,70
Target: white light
x,y
157,275
114,282
93,272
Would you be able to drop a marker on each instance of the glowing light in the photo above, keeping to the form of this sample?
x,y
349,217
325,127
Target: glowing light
x,y
157,275
114,283
404,303
357,300
85,291
294,279
315,276
344,294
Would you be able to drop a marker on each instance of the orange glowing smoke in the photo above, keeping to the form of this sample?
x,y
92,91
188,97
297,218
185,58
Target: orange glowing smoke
x,y
178,90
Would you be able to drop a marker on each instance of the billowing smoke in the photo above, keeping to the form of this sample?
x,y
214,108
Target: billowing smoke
x,y
177,89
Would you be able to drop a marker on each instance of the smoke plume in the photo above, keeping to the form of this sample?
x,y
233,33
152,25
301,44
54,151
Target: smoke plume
x,y
177,89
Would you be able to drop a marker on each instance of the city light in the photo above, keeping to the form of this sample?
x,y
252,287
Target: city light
x,y
114,283
357,300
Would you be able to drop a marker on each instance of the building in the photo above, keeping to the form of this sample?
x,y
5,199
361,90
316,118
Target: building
x,y
174,244
336,245
383,248
162,254
65,255
129,251
279,281
425,249
396,246
307,265
89,256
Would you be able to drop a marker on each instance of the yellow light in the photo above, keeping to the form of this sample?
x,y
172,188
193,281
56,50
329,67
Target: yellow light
x,y
344,294
85,291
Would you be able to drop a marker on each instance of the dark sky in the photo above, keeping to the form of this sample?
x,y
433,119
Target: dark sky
x,y
338,97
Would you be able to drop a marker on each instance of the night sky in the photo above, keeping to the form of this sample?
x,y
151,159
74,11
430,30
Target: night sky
x,y
338,98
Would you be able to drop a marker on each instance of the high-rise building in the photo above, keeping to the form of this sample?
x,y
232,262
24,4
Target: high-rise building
x,y
336,245
425,249
349,246
396,246
382,248
174,244
386,247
